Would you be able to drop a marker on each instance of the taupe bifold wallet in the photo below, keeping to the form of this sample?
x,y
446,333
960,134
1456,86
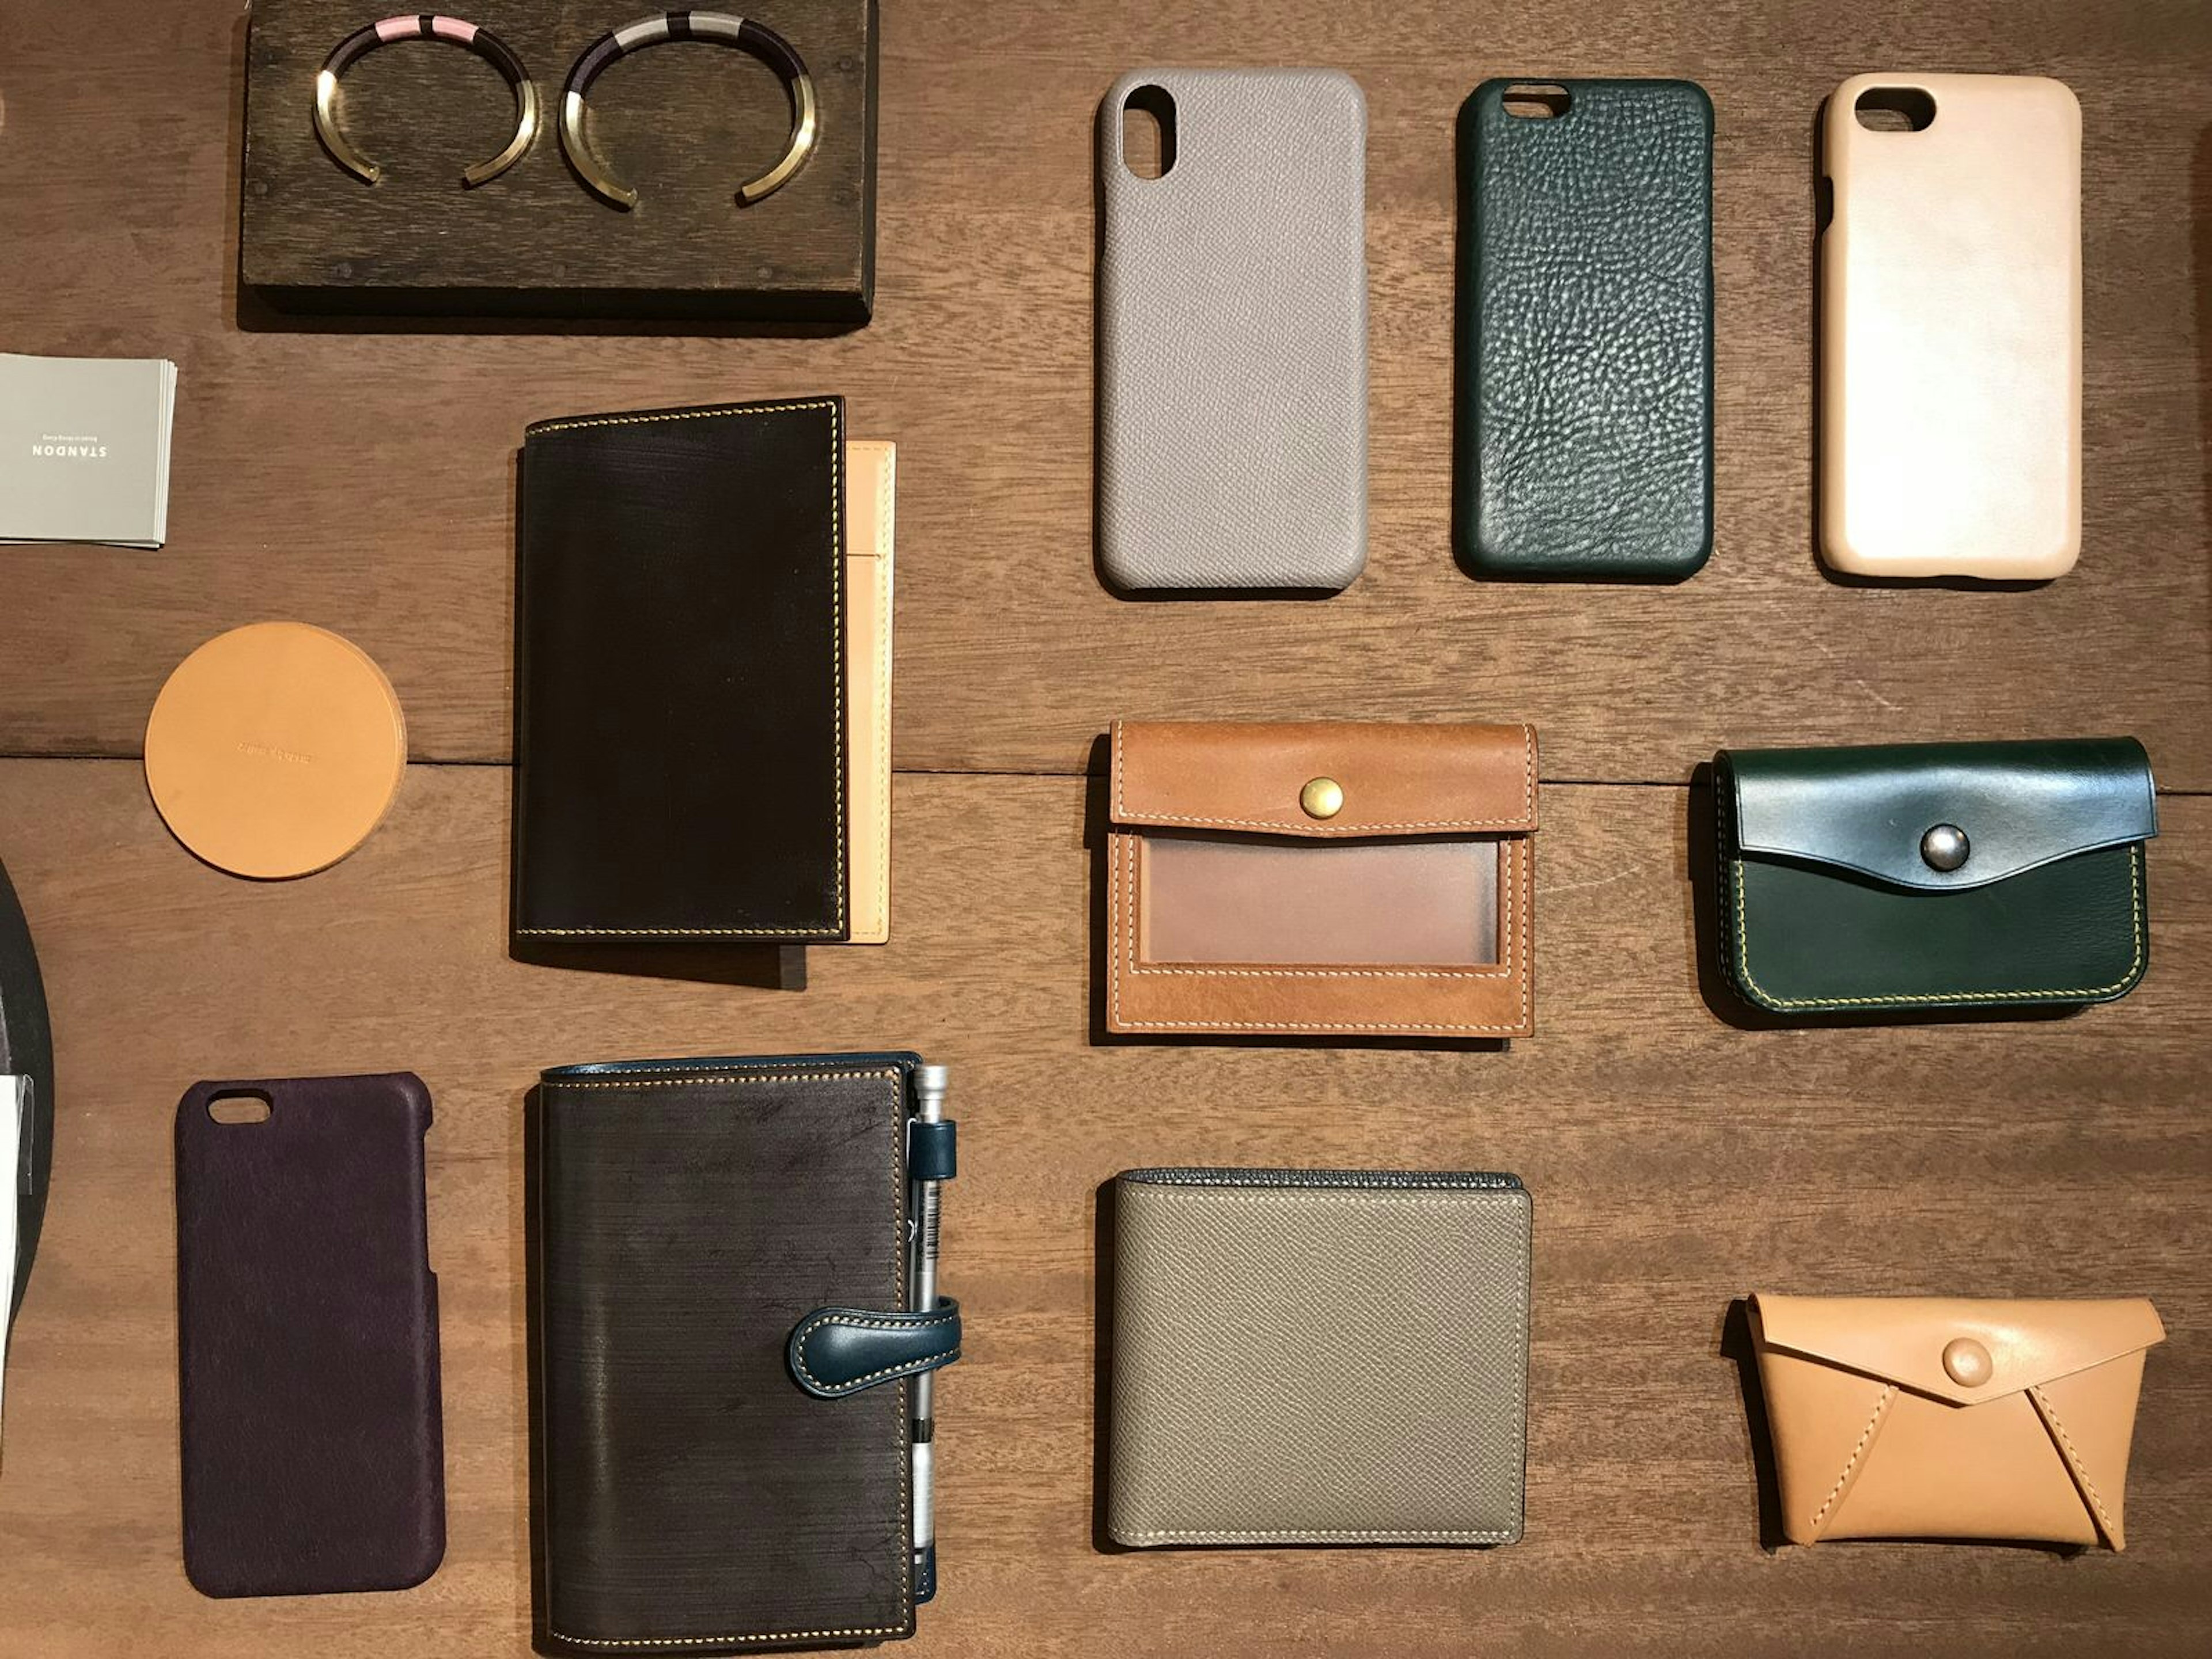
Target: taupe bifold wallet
x,y
1333,880
1919,1417
1318,1357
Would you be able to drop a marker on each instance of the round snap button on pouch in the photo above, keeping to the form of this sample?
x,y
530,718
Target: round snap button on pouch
x,y
1967,1362
275,750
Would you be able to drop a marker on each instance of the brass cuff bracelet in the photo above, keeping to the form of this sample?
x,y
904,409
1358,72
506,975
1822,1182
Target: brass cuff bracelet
x,y
425,27
722,29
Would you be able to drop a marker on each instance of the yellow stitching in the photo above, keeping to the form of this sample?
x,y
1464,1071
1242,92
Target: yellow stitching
x,y
902,1423
2072,1458
836,665
1503,969
687,1641
1881,1405
1743,958
1526,821
905,1462
679,414
1127,937
680,933
664,1081
837,650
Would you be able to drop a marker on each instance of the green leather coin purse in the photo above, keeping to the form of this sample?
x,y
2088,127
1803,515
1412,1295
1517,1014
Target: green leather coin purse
x,y
1912,877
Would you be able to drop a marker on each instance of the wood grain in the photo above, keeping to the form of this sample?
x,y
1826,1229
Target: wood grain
x,y
362,477
1676,1160
363,480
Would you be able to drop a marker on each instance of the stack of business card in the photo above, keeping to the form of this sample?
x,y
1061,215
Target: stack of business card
x,y
84,449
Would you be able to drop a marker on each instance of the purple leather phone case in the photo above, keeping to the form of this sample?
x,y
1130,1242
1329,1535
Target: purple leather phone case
x,y
308,1340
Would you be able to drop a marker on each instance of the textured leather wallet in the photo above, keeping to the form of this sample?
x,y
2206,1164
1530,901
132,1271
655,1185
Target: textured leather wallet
x,y
1232,333
724,1354
1330,879
1318,1357
1585,425
680,735
1908,1417
307,1337
1933,876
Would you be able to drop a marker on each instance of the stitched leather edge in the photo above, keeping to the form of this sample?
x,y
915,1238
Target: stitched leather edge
x,y
836,665
1122,939
910,1367
1732,877
1526,824
904,1458
2074,1463
1866,1437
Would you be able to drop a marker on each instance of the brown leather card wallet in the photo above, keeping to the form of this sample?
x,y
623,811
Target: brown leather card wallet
x,y
1330,880
1918,1417
1318,1357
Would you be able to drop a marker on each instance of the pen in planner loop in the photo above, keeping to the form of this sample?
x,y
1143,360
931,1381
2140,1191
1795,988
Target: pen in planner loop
x,y
930,1084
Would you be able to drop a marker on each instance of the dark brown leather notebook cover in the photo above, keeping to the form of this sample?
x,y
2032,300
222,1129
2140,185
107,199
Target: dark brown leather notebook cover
x,y
680,742
308,1340
686,1215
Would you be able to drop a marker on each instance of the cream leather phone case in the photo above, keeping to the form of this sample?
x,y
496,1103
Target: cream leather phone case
x,y
1951,331
870,486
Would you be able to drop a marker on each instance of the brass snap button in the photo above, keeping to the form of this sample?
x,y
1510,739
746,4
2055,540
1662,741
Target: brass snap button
x,y
1967,1362
1322,798
1944,847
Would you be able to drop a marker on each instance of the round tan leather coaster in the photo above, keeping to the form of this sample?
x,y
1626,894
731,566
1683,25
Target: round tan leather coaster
x,y
275,748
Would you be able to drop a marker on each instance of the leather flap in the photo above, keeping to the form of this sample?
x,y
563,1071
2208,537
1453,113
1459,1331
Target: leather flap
x,y
1905,1340
2019,804
1391,780
835,1351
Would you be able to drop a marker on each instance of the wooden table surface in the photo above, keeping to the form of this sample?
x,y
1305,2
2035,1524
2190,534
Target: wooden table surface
x,y
362,478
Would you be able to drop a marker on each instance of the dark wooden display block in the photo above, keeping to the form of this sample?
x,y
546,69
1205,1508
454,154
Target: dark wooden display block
x,y
685,123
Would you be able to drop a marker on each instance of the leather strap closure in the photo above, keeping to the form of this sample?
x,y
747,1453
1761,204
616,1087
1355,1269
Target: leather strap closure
x,y
835,1352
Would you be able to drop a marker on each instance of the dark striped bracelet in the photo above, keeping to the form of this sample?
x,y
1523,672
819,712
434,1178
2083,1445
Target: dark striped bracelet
x,y
425,25
722,28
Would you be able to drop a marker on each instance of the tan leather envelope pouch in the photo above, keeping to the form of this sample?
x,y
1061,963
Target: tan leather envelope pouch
x,y
1901,1416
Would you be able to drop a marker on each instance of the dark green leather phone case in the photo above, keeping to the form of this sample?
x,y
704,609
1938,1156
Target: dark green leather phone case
x,y
1912,877
1585,402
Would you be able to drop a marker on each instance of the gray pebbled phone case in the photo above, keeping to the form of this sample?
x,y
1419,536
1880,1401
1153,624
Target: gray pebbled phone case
x,y
1232,328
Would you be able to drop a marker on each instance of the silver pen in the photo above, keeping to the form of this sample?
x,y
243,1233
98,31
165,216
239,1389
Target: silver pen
x,y
930,1084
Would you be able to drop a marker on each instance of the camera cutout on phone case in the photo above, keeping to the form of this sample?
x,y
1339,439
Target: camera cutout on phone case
x,y
1895,109
1539,101
1148,132
240,1108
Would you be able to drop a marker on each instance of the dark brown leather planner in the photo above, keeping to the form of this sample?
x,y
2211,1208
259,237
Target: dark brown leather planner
x,y
307,1337
728,1361
680,731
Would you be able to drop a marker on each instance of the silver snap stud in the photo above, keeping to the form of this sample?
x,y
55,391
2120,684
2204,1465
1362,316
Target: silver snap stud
x,y
1944,847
